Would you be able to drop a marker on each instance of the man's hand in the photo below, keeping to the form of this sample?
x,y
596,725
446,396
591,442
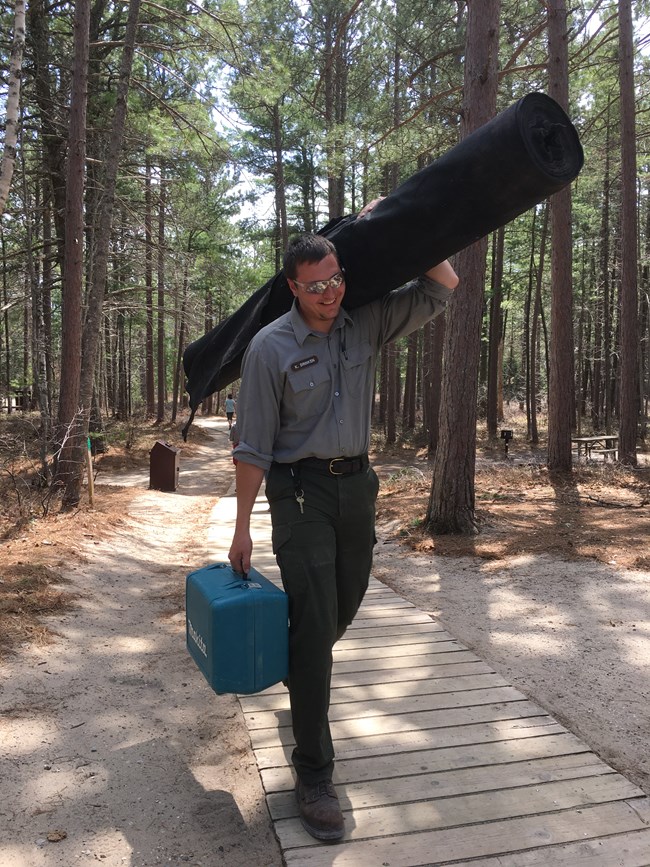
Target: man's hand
x,y
240,552
369,207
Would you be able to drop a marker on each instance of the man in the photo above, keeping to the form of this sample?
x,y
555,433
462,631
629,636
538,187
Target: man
x,y
305,400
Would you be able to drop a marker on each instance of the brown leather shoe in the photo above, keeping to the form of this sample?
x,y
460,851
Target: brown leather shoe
x,y
320,813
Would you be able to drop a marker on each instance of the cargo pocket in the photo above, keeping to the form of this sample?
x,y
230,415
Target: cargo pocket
x,y
280,536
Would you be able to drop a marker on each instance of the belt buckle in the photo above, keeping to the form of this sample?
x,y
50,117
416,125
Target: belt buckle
x,y
333,461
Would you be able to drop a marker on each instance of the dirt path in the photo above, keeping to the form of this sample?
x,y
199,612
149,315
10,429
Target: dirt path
x,y
110,736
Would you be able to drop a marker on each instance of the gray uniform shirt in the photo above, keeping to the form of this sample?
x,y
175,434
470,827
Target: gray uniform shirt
x,y
308,394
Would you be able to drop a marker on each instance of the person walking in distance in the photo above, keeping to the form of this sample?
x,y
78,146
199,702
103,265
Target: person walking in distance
x,y
305,400
230,409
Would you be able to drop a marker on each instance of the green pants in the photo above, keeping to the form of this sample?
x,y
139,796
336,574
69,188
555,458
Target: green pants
x,y
325,555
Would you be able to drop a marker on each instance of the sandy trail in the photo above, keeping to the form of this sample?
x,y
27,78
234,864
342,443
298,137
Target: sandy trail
x,y
110,736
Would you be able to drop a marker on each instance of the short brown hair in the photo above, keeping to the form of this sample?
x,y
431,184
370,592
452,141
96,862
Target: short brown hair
x,y
306,248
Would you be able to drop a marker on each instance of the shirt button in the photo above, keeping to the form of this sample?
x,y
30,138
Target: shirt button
x,y
340,421
336,394
311,384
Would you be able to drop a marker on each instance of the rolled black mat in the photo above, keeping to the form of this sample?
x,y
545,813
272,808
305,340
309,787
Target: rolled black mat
x,y
523,155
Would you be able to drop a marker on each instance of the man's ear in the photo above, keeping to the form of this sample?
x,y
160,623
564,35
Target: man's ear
x,y
292,286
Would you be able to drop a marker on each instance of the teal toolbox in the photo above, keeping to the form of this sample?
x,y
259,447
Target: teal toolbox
x,y
237,629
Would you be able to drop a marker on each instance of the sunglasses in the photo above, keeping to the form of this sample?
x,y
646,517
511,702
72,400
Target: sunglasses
x,y
317,287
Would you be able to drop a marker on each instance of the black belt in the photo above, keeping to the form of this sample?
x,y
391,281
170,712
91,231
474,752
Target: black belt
x,y
335,466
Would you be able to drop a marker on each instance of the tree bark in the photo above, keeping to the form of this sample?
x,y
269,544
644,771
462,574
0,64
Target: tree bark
x,y
452,502
160,310
94,308
495,336
70,431
560,391
629,391
148,288
433,376
534,331
178,367
391,393
410,383
279,185
602,300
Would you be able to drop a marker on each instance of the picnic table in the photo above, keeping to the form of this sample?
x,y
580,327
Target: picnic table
x,y
601,444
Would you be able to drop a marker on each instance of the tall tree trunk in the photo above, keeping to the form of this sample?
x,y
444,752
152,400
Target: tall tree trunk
x,y
39,373
560,391
436,342
70,429
12,104
629,391
534,331
178,367
602,301
495,334
410,383
48,282
391,393
279,186
148,290
578,388
122,369
335,82
94,308
5,322
160,311
526,340
452,502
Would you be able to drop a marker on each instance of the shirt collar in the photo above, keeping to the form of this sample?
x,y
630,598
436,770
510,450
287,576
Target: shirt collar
x,y
302,330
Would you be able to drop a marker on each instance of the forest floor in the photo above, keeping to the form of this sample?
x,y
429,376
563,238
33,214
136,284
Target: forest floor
x,y
109,754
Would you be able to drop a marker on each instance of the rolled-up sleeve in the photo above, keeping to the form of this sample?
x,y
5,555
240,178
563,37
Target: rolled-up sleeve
x,y
408,308
258,410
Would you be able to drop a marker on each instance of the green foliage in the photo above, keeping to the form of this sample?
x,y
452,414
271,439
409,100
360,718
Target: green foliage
x,y
330,96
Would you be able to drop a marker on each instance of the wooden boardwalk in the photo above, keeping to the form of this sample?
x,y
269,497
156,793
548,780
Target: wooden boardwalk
x,y
439,760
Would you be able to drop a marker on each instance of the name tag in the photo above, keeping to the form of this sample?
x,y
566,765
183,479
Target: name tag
x,y
304,362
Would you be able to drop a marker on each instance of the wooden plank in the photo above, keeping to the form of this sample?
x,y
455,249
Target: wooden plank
x,y
395,743
389,662
278,696
388,630
472,841
624,850
372,603
375,680
445,784
398,639
425,672
258,719
408,722
389,617
358,769
463,810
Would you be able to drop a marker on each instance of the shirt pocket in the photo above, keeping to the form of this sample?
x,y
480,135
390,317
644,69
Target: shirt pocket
x,y
310,390
358,367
